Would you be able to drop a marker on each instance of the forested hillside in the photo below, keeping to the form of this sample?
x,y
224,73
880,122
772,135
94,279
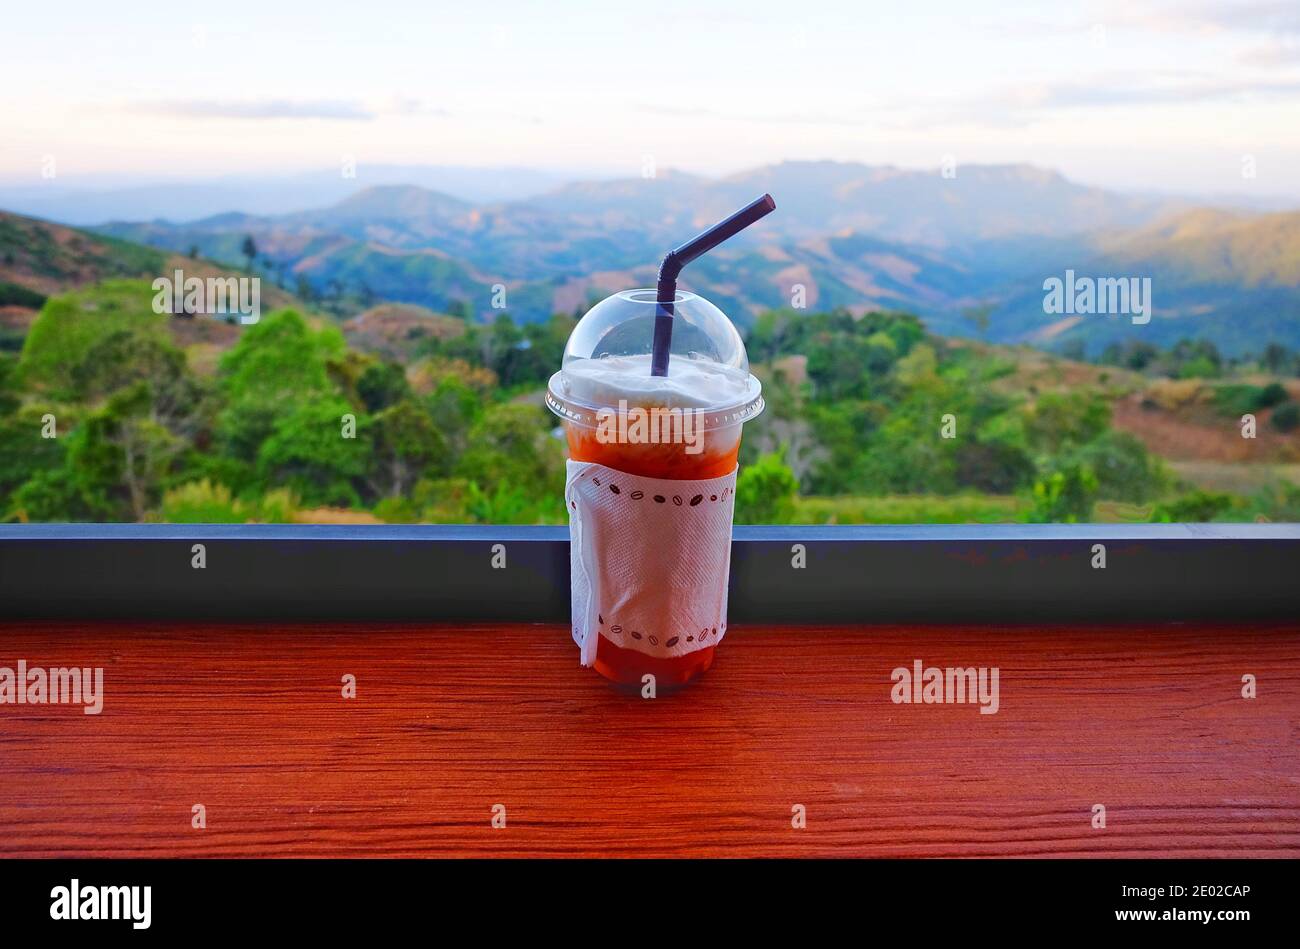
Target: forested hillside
x,y
112,412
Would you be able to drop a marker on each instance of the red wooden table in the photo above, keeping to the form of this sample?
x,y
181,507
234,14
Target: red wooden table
x,y
250,722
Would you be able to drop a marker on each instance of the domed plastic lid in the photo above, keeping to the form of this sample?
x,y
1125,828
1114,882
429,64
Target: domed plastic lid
x,y
607,361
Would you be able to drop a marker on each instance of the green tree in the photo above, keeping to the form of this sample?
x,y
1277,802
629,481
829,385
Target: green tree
x,y
767,338
124,359
1286,417
1125,470
1277,359
117,462
278,363
308,453
511,446
1056,421
765,491
55,495
24,453
249,249
1194,359
993,466
1140,355
382,384
1065,496
406,445
70,326
1201,367
455,406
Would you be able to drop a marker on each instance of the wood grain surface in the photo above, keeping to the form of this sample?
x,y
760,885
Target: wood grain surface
x,y
448,721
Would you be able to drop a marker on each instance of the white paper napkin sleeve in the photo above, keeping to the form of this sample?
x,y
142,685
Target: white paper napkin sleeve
x,y
650,560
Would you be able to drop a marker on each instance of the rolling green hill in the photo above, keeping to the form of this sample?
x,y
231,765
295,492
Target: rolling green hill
x,y
1232,279
48,258
40,260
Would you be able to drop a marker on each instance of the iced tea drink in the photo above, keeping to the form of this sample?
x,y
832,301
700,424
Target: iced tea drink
x,y
607,374
716,459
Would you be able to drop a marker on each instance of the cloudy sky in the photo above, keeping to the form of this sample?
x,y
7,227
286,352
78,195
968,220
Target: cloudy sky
x,y
1138,94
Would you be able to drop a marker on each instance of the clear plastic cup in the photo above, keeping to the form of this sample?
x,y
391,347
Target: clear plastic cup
x,y
607,367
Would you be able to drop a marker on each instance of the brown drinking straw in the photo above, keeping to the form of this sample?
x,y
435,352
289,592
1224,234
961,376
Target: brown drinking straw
x,y
678,258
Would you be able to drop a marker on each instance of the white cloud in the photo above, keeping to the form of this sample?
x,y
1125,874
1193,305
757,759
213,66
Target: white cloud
x,y
256,109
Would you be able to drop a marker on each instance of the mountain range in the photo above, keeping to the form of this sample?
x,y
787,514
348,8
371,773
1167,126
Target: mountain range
x,y
980,242
80,201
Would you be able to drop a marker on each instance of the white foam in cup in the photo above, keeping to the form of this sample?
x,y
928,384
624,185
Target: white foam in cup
x,y
593,384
